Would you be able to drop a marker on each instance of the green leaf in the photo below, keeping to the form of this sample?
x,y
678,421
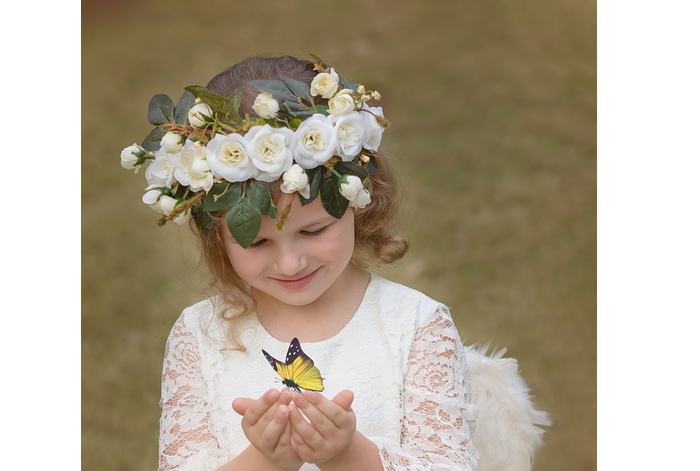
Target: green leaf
x,y
244,221
234,104
217,103
152,141
323,109
160,110
351,168
315,178
260,197
222,196
334,203
276,88
184,104
202,218
299,88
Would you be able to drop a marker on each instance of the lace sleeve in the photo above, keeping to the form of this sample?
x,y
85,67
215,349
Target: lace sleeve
x,y
438,417
186,443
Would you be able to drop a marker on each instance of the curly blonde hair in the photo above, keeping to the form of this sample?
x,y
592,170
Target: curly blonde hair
x,y
376,226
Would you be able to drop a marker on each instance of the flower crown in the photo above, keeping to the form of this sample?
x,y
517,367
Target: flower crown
x,y
203,158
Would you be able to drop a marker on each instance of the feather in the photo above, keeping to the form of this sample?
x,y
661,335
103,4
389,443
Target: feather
x,y
508,429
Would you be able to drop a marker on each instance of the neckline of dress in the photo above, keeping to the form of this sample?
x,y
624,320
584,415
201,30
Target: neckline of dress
x,y
361,308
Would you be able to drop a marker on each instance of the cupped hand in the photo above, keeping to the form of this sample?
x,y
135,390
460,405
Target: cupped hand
x,y
267,426
328,427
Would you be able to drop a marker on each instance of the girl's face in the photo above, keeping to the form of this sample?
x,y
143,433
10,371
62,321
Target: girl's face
x,y
298,264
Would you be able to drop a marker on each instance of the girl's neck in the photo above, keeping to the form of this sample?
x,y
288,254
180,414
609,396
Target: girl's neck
x,y
321,319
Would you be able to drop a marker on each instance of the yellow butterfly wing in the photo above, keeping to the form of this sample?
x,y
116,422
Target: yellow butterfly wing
x,y
298,371
304,374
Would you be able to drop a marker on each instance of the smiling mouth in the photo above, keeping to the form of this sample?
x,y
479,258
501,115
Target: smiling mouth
x,y
296,283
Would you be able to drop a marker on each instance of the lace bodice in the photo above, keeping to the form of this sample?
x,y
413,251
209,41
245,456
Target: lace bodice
x,y
401,355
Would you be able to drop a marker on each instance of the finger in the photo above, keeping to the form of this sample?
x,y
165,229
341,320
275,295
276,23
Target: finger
x,y
241,404
259,407
333,415
274,430
312,413
305,437
344,399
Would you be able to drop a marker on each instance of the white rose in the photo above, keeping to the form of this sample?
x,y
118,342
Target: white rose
x,y
200,115
183,161
228,158
325,84
266,106
342,103
201,177
161,171
151,197
166,204
172,142
314,142
351,188
296,179
268,150
351,132
374,129
132,157
361,200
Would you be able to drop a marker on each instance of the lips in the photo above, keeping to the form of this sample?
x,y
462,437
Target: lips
x,y
296,283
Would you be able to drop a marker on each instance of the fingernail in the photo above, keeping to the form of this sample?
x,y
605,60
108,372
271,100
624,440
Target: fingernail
x,y
310,394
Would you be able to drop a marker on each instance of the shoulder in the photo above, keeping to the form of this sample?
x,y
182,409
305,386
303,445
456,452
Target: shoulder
x,y
203,317
403,301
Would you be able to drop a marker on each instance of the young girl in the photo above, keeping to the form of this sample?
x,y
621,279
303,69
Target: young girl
x,y
304,359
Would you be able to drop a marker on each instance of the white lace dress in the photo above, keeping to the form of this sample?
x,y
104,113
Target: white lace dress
x,y
401,355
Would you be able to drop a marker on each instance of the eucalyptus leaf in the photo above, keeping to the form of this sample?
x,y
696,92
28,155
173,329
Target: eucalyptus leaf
x,y
299,88
301,114
260,197
276,88
152,141
217,103
160,109
296,106
351,168
372,166
184,104
334,203
346,84
221,196
315,178
244,221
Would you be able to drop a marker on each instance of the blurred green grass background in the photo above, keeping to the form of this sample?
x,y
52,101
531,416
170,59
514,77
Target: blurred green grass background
x,y
493,111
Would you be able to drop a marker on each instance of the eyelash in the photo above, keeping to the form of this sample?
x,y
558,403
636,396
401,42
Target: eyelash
x,y
306,233
316,232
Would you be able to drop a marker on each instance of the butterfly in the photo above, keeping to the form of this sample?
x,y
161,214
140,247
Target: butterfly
x,y
298,370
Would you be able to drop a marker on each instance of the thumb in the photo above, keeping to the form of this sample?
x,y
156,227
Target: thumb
x,y
240,404
344,399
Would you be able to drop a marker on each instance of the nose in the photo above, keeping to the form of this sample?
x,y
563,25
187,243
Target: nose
x,y
290,260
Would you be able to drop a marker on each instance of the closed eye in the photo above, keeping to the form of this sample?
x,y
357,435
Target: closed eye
x,y
316,232
258,243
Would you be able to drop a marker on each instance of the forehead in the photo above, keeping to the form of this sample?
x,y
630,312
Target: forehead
x,y
294,215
